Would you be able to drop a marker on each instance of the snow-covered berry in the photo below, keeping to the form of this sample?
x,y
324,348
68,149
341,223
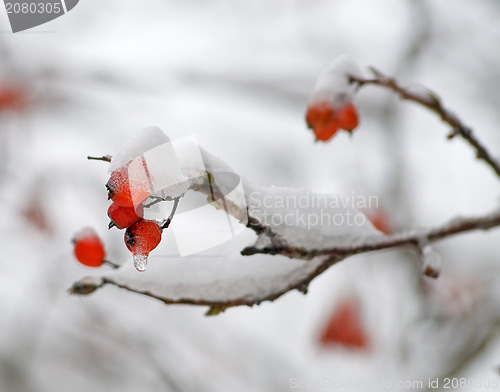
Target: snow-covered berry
x,y
127,189
330,106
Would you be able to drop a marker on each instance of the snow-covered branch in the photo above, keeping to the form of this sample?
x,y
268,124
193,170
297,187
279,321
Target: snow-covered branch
x,y
293,235
416,237
262,279
431,101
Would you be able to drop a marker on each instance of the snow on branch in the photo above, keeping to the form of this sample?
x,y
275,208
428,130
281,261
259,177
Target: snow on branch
x,y
417,237
431,101
292,235
262,278
220,276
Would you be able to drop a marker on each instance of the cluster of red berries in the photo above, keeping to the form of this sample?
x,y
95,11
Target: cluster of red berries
x,y
325,119
141,236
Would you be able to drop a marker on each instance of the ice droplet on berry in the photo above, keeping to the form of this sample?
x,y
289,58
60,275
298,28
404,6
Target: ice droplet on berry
x,y
140,262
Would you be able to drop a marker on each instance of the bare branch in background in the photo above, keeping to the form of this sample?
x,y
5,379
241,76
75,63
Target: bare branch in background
x,y
432,102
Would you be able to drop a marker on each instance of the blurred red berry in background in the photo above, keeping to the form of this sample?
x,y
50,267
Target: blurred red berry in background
x,y
12,98
344,326
89,250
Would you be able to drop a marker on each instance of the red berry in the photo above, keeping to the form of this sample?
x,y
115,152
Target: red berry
x,y
344,327
380,221
125,189
320,117
347,117
143,236
12,98
89,249
326,134
123,217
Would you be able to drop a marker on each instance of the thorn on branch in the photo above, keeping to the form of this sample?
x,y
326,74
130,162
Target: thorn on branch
x,y
454,132
435,101
303,288
377,73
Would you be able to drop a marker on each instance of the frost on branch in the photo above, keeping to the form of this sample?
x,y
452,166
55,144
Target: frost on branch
x,y
257,217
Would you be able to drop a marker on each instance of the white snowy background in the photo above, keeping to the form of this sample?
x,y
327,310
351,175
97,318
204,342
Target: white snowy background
x,y
237,75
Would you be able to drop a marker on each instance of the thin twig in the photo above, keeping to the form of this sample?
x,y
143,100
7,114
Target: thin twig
x,y
210,184
156,200
105,158
111,264
432,102
172,213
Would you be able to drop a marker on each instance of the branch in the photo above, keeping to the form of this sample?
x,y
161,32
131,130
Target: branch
x,y
410,238
432,102
232,280
105,158
323,259
88,285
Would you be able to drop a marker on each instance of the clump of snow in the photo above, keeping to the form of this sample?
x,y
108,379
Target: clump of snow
x,y
189,157
333,85
309,220
165,172
431,261
146,139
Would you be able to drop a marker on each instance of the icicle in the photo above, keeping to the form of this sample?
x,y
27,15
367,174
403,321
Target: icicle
x,y
140,262
431,261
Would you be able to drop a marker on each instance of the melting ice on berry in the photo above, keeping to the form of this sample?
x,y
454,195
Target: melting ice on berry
x,y
140,262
